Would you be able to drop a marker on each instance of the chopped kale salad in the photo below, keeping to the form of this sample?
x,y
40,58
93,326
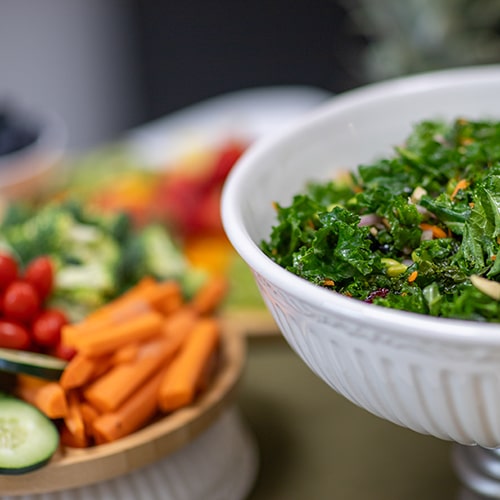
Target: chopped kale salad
x,y
417,231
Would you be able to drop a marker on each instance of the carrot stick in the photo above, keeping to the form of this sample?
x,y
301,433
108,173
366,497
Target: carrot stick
x,y
152,296
74,421
125,354
210,295
164,292
437,232
179,385
132,415
70,333
148,295
114,312
69,439
103,366
139,288
110,391
48,397
171,303
89,414
179,323
107,340
80,370
208,372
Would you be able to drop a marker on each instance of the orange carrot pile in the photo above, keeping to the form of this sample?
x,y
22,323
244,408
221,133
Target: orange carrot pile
x,y
149,352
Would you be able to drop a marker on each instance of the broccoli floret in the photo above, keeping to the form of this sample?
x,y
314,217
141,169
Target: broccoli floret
x,y
192,280
96,256
162,257
42,234
84,288
87,272
93,276
153,252
16,213
85,255
117,224
74,309
53,230
89,244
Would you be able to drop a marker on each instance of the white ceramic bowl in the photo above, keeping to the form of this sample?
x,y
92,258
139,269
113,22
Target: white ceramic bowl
x,y
30,171
435,376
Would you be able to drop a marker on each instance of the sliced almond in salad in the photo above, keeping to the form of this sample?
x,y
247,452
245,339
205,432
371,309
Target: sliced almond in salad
x,y
488,287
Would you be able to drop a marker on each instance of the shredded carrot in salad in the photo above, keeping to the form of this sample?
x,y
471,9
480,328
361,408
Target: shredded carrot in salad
x,y
437,232
412,277
460,186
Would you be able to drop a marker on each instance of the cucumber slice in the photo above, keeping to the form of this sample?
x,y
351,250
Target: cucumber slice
x,y
28,439
31,363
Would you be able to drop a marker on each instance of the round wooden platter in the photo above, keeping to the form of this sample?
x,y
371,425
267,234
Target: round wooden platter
x,y
72,467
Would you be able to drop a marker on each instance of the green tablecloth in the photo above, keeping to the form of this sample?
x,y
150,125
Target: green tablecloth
x,y
314,444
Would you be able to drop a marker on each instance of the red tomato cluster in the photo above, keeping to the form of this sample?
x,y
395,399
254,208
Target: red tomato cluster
x,y
25,321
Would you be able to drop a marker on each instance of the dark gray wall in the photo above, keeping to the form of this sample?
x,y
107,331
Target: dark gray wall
x,y
195,49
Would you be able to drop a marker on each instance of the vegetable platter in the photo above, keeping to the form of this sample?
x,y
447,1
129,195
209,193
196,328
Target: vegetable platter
x,y
172,171
121,334
104,328
74,467
112,351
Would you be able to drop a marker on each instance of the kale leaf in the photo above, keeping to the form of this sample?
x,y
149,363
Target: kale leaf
x,y
406,231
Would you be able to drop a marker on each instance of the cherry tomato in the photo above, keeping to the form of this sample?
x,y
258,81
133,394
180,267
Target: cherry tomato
x,y
8,270
13,336
46,329
20,302
65,352
228,156
40,273
207,216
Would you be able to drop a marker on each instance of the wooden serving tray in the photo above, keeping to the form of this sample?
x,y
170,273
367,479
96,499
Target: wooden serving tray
x,y
72,467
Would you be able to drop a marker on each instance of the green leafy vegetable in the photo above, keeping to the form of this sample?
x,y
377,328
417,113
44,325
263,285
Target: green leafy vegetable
x,y
408,231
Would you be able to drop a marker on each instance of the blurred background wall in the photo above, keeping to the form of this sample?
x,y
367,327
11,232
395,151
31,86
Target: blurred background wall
x,y
76,57
193,49
108,65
